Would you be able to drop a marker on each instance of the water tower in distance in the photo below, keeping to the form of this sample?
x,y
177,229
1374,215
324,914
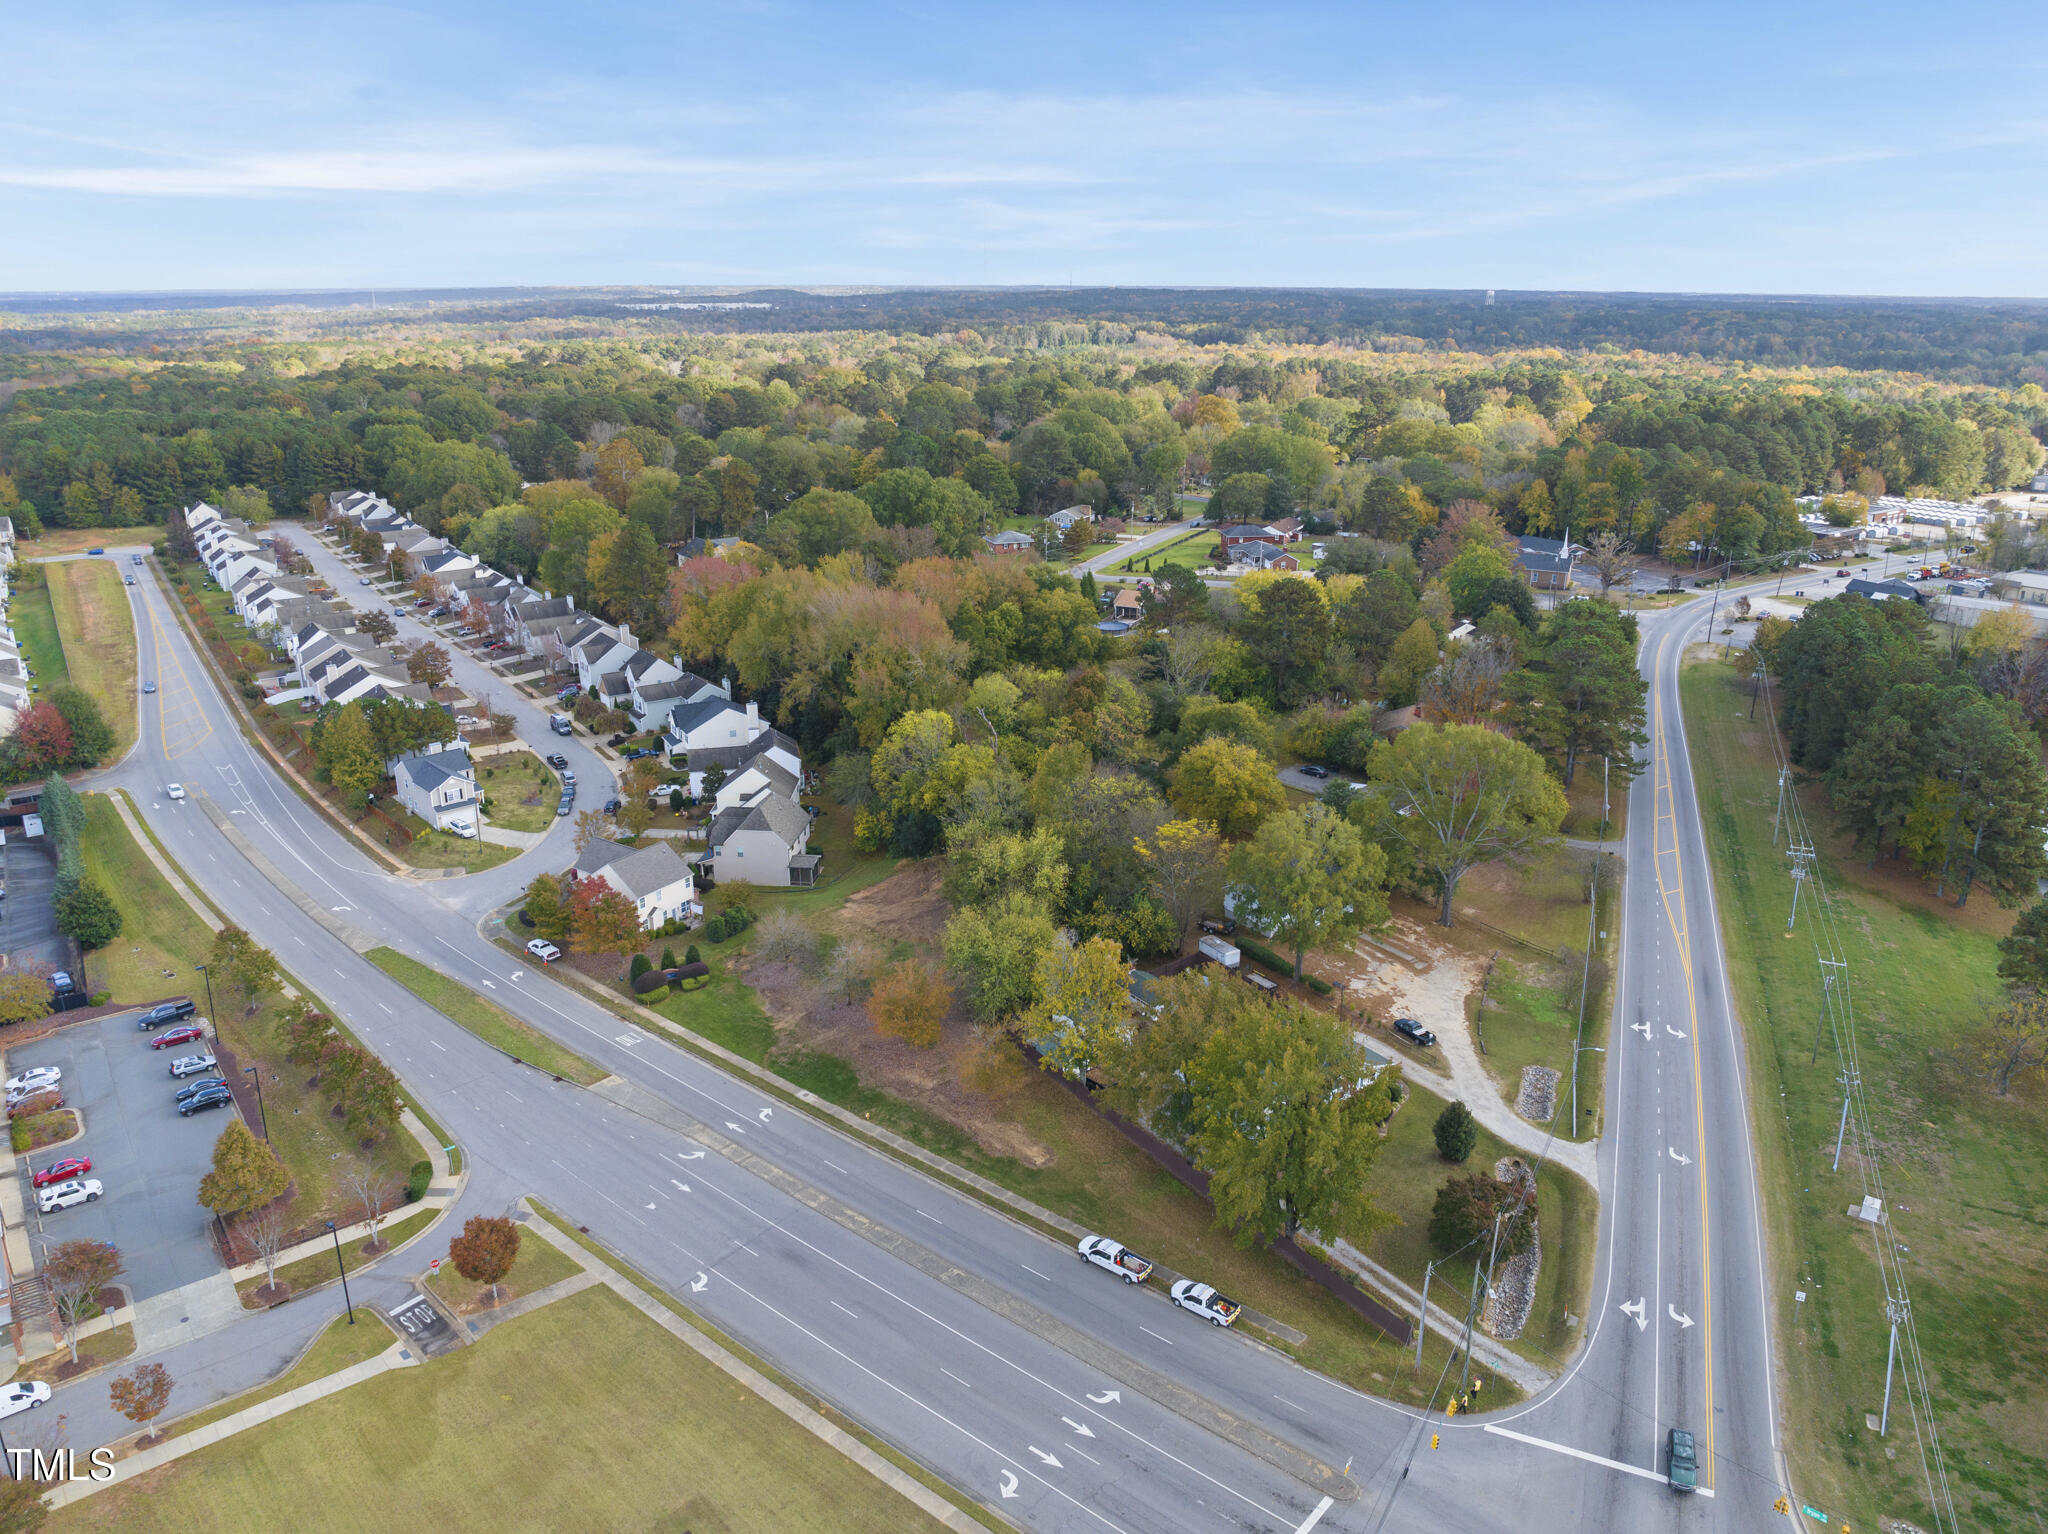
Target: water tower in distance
x,y
1489,298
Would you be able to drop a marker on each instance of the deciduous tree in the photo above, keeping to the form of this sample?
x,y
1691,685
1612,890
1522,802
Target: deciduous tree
x,y
238,962
1081,1018
909,1002
485,1251
1309,879
1184,863
75,1272
428,663
993,954
601,920
141,1395
1227,784
246,1173
1466,1209
2015,1042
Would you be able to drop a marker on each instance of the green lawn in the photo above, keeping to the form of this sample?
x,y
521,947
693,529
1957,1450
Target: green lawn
x,y
1405,1182
35,625
1966,1170
334,1350
443,849
1194,551
540,1263
160,932
90,603
510,780
582,1415
486,1019
310,1272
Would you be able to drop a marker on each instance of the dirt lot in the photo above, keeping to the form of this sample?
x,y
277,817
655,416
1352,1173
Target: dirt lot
x,y
903,914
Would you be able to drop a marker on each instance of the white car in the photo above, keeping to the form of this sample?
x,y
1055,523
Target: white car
x,y
192,1065
1205,1302
1113,1255
64,1194
174,790
666,789
34,1079
25,1396
543,950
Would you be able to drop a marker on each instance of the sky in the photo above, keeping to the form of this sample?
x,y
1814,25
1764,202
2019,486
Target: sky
x,y
1809,148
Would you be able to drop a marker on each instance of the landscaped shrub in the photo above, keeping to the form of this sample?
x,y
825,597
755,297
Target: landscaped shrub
x,y
641,965
668,958
692,956
416,1181
658,994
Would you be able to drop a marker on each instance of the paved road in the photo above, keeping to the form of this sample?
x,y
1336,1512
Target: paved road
x,y
1152,539
983,1349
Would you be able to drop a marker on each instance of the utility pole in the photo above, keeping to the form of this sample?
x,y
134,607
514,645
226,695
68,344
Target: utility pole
x,y
1784,774
1481,1290
1896,1312
1802,870
1850,1081
1827,992
1422,1315
1585,983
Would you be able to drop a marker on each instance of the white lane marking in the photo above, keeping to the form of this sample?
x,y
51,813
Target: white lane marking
x,y
1032,1271
1150,1333
1080,1427
386,1010
932,1217
1675,1156
1085,1455
1285,1402
842,1309
1051,1460
952,1376
1637,1311
438,1045
838,1168
1591,1459
1315,1517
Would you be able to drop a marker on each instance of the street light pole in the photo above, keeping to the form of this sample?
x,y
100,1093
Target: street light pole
x,y
342,1268
257,1076
209,998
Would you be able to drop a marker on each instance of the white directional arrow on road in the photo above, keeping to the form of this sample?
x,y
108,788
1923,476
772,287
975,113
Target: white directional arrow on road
x,y
729,1124
1676,1033
1681,1160
689,1155
1049,1459
646,1206
1106,1397
1008,1484
1642,1028
765,1114
1637,1311
1080,1427
685,1187
1683,1321
697,1284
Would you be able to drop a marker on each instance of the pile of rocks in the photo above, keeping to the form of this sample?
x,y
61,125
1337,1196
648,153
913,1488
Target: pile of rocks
x,y
1537,1100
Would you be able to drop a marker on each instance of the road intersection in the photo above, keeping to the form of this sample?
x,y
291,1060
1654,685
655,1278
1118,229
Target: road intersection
x,y
972,1342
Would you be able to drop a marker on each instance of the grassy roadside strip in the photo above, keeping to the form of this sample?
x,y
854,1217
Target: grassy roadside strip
x,y
487,1020
195,899
247,725
97,624
330,1352
308,1275
909,1466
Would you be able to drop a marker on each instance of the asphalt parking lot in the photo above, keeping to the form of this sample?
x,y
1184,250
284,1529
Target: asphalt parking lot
x,y
148,1158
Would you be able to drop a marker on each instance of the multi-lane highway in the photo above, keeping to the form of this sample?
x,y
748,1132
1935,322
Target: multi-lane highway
x,y
975,1344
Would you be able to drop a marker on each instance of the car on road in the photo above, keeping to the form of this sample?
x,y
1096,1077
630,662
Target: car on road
x,y
25,1396
192,1065
149,687
165,1012
65,1195
185,1035
60,981
213,1097
134,559
364,581
96,551
1205,1302
131,580
35,1079
1684,1473
543,950
1311,770
567,806
613,806
1414,1032
557,760
62,1171
1115,1257
174,791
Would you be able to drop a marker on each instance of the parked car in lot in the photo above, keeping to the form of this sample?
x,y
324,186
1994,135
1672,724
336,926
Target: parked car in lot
x,y
543,950
1217,928
62,1171
1205,1302
192,1089
65,1195
165,1012
1114,1256
185,1035
1414,1032
35,1079
567,806
217,1097
192,1065
24,1396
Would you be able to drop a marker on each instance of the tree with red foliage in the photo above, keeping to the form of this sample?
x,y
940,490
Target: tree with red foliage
x,y
601,920
43,738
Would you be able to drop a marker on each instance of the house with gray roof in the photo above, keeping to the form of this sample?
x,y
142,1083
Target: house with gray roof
x,y
1546,563
734,759
764,841
439,786
656,878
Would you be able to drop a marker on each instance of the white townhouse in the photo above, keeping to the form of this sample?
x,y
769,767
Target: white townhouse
x,y
656,878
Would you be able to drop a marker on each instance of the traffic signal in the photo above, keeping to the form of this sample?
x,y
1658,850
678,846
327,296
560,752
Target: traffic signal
x,y
1781,1506
1435,1439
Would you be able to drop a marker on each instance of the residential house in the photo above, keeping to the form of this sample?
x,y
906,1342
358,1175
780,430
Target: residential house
x,y
734,760
1010,542
712,720
764,840
1127,603
6,541
1882,591
1547,563
1067,518
656,878
1281,533
439,786
1257,554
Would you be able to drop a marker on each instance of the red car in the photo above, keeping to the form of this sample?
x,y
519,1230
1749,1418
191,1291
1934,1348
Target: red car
x,y
177,1036
63,1171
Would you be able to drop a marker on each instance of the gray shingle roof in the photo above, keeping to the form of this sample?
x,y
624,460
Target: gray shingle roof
x,y
642,870
771,812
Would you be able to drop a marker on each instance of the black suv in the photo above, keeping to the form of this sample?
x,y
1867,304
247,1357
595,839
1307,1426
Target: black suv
x,y
1410,1029
215,1097
165,1012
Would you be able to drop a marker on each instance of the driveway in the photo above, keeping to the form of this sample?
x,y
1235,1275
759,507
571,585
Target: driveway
x,y
149,1159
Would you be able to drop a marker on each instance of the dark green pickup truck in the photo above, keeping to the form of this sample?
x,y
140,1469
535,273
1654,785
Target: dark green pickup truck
x,y
1685,1466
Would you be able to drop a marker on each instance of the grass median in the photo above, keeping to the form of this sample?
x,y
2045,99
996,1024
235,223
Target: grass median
x,y
487,1020
311,1272
90,604
581,1415
332,1351
1965,1169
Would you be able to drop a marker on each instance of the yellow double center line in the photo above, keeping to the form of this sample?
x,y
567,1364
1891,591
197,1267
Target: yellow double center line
x,y
1673,893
